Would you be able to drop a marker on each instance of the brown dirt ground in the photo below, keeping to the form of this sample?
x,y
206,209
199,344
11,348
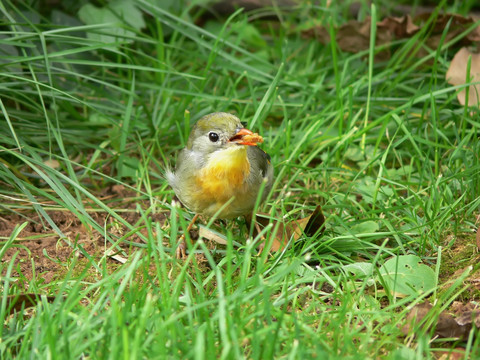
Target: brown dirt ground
x,y
38,238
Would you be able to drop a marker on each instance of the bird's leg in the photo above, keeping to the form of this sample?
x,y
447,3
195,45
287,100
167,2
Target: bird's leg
x,y
181,252
261,247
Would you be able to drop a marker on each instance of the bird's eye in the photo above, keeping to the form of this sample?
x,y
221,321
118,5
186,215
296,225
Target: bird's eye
x,y
213,136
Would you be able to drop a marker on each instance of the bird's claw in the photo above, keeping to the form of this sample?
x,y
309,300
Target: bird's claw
x,y
261,247
181,251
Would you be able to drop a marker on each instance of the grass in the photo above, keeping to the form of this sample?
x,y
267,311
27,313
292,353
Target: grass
x,y
384,147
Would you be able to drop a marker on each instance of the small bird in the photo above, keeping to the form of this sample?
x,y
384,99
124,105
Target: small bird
x,y
221,170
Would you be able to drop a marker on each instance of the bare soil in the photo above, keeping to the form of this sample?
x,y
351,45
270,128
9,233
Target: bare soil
x,y
40,252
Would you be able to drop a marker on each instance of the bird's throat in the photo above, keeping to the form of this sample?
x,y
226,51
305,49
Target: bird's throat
x,y
225,173
231,164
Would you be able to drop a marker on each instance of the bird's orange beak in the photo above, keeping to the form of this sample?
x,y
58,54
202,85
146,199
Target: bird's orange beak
x,y
246,137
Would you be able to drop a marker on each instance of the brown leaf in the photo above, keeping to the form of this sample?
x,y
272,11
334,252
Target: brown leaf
x,y
478,237
469,318
455,354
211,235
311,225
457,24
16,302
457,75
227,7
354,36
415,315
316,223
114,255
466,314
446,326
52,163
398,9
401,27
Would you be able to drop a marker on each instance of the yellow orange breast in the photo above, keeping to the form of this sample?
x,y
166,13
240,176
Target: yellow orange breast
x,y
223,176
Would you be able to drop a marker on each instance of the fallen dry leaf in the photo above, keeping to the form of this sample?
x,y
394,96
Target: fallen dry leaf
x,y
17,302
447,326
457,24
310,226
468,318
401,27
211,235
397,9
478,237
454,354
457,75
227,7
114,255
354,36
468,313
52,163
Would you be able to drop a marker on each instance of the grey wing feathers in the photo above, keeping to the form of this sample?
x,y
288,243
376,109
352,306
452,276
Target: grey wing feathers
x,y
263,165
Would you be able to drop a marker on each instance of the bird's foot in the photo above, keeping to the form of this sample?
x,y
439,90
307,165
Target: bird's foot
x,y
181,250
261,247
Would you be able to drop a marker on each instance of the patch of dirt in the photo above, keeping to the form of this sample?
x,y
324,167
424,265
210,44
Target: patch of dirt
x,y
456,260
39,252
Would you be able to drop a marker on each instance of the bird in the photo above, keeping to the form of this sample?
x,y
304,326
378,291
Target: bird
x,y
220,171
